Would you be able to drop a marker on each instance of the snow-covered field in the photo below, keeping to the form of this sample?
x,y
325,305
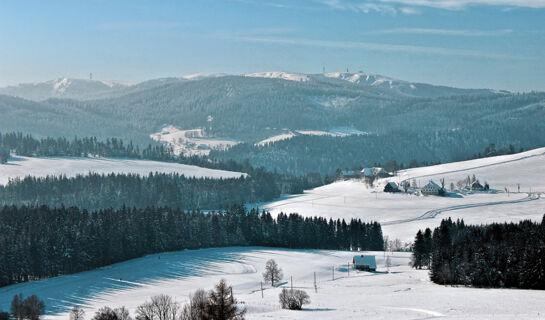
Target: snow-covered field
x,y
401,294
190,142
402,215
334,132
19,166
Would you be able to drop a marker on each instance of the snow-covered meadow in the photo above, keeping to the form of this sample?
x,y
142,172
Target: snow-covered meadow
x,y
402,215
19,167
402,293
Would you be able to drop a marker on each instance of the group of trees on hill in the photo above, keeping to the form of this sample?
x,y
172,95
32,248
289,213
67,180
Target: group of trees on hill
x,y
396,149
27,145
495,255
41,242
99,191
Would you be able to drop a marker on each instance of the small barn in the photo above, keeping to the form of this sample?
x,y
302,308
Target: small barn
x,y
365,263
391,187
431,188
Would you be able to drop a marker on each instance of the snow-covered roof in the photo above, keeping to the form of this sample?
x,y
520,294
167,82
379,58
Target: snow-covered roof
x,y
365,261
433,185
393,184
372,171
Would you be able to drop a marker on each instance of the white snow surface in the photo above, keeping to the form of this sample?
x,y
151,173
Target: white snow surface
x,y
402,215
362,77
191,142
334,132
402,293
200,76
280,75
19,167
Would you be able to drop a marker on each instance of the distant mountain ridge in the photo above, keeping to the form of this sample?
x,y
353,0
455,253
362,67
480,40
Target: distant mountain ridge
x,y
86,89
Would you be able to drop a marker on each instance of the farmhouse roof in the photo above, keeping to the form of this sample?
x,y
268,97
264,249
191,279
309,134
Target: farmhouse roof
x,y
362,260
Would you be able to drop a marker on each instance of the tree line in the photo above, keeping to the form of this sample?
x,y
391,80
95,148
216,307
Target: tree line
x,y
99,191
42,242
494,255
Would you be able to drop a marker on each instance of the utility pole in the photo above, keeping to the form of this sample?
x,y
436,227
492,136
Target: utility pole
x,y
291,280
348,268
333,273
315,287
261,289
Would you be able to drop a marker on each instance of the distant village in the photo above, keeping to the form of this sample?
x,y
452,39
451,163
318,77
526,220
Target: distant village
x,y
370,175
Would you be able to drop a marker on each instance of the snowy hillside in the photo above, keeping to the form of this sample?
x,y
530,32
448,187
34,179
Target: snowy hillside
x,y
402,215
403,293
19,166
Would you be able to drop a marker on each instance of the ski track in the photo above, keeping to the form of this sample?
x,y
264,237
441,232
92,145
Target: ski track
x,y
430,214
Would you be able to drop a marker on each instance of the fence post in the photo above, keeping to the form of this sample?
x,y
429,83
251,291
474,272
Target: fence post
x,y
261,289
291,280
315,287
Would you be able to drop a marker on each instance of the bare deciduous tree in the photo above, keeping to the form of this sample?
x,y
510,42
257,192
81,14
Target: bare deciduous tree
x,y
122,313
105,313
272,273
77,313
197,308
161,307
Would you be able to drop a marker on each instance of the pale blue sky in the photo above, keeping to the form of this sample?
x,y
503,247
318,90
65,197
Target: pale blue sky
x,y
496,44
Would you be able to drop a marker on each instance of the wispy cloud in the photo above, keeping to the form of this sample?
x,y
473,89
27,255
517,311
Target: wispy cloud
x,y
444,32
369,6
376,47
410,6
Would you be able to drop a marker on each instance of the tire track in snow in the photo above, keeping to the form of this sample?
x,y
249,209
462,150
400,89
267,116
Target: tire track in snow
x,y
435,212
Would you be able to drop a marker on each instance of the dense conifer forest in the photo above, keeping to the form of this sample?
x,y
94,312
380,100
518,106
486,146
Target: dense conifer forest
x,y
495,255
98,191
40,242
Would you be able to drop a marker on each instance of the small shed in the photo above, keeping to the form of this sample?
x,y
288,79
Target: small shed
x,y
365,263
391,187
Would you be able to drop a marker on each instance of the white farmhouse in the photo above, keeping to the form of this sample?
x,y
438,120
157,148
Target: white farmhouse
x,y
431,188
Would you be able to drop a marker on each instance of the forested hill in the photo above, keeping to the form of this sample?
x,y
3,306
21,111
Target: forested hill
x,y
440,124
244,108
